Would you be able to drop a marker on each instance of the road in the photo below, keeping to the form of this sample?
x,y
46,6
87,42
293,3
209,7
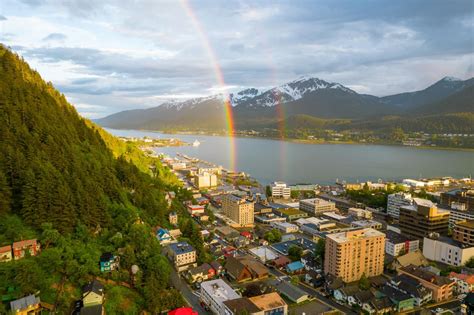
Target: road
x,y
312,291
188,295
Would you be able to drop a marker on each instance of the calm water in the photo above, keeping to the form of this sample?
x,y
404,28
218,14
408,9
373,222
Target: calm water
x,y
270,160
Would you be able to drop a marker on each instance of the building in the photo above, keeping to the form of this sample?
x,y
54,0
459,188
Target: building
x,y
29,305
205,180
109,262
200,273
351,254
463,232
399,244
239,306
367,224
285,227
360,213
412,287
164,236
21,248
442,287
423,218
173,218
464,282
292,292
280,190
195,209
317,205
214,293
459,212
238,209
93,294
244,268
182,255
458,197
305,244
6,253
396,201
290,214
270,304
446,250
183,311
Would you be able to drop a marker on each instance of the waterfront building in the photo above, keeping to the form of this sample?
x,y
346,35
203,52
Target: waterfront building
x,y
238,209
397,200
464,196
463,232
351,254
280,190
422,218
446,250
317,205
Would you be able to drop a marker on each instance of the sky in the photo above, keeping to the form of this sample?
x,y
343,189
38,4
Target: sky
x,y
112,55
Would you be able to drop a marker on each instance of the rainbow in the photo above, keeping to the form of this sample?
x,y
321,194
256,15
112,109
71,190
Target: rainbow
x,y
220,80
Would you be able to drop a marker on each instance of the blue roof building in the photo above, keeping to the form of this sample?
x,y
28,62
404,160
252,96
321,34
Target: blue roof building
x,y
294,267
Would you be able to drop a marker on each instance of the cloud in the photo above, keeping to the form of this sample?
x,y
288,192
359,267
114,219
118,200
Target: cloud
x,y
2,18
55,37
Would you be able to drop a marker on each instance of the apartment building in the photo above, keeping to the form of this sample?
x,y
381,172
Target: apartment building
x,y
317,205
442,287
397,244
423,218
238,209
463,231
214,293
396,201
182,255
446,250
351,254
280,190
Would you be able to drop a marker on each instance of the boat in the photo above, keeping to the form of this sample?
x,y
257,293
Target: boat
x,y
196,143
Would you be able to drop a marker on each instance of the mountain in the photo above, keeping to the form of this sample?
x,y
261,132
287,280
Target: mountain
x,y
434,93
458,102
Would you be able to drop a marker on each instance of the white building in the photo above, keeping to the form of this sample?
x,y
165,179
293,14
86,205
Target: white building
x,y
464,282
214,293
361,213
446,250
205,180
459,213
285,227
317,205
280,190
397,244
397,200
367,224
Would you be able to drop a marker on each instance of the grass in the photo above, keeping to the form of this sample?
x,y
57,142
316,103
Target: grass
x,y
121,300
290,211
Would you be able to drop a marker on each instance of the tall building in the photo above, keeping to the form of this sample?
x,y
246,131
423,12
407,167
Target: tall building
x,y
351,254
238,209
397,200
280,190
205,180
423,218
317,205
463,232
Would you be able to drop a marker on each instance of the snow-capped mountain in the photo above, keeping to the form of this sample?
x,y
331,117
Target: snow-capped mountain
x,y
191,103
243,96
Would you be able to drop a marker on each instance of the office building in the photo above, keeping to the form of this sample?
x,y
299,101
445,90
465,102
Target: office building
x,y
238,209
214,293
423,218
285,227
458,197
351,254
458,212
397,200
397,244
463,232
280,190
446,250
317,205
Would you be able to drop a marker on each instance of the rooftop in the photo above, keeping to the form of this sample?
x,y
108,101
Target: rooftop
x,y
23,303
395,238
283,247
219,290
24,243
241,305
343,237
181,248
266,302
426,275
317,201
6,249
466,224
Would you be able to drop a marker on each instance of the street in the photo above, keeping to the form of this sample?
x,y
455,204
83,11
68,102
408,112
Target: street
x,y
188,295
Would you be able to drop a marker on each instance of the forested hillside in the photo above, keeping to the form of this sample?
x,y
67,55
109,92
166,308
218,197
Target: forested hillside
x,y
75,188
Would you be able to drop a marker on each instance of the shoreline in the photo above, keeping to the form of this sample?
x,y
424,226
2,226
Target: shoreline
x,y
302,141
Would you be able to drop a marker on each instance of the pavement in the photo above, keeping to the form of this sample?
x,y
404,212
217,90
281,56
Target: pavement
x,y
191,299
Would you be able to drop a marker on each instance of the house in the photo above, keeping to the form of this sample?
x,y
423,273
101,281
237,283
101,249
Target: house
x,y
380,306
239,306
218,268
21,248
173,218
412,287
182,255
464,282
363,297
332,284
93,294
415,258
398,244
241,241
314,279
229,251
263,253
295,267
28,305
163,236
347,294
245,268
227,233
183,311
281,262
270,303
292,292
6,253
195,209
200,273
246,234
109,262
442,287
402,301
309,262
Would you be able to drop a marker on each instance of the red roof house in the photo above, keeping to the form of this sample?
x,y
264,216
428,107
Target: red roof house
x,y
22,247
183,311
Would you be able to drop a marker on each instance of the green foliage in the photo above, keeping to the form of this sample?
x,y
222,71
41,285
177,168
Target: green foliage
x,y
295,252
320,249
273,236
364,283
470,263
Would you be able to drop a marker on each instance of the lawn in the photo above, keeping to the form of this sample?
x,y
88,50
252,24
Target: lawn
x,y
121,300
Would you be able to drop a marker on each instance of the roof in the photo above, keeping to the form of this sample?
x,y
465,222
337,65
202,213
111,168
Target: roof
x,y
426,275
304,243
92,310
343,237
364,296
350,290
181,248
216,265
264,253
266,302
235,265
204,268
292,292
241,306
282,260
219,290
294,266
410,285
464,277
183,311
396,238
24,243
394,294
6,249
466,223
24,302
413,258
93,286
107,257
380,304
